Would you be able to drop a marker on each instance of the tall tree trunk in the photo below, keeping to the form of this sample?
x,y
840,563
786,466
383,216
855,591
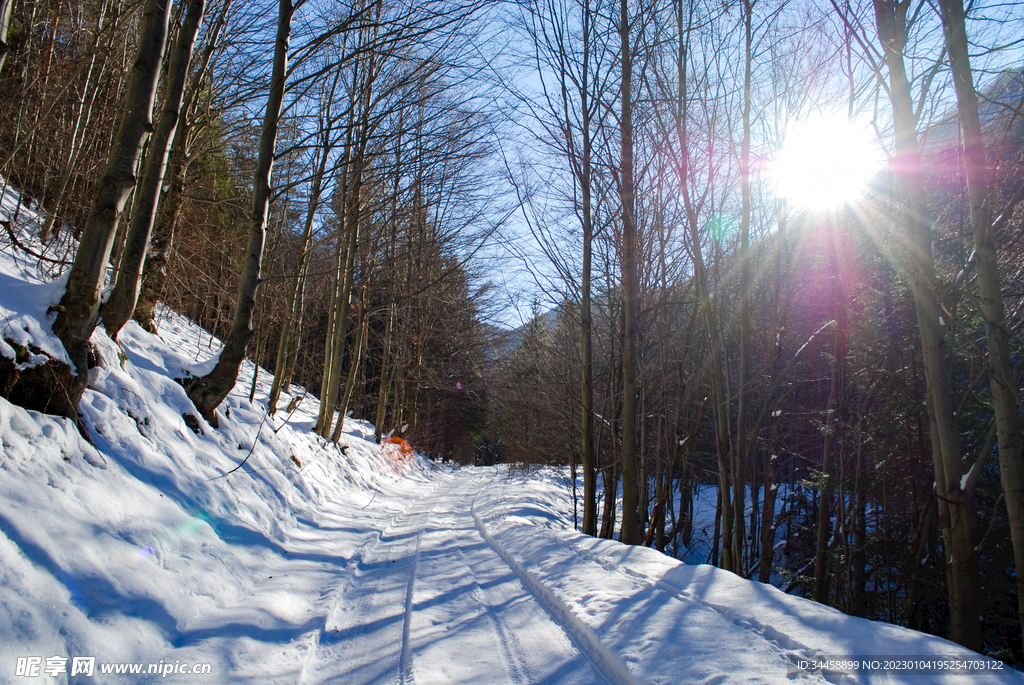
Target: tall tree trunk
x,y
338,341
79,307
783,255
161,242
999,360
121,303
631,533
771,472
292,354
739,476
337,279
858,606
5,22
386,366
355,361
590,465
293,302
611,488
207,392
833,423
956,515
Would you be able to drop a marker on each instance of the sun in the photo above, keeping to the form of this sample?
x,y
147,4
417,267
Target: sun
x,y
826,162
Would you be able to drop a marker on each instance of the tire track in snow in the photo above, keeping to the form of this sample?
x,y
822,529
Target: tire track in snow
x,y
473,620
405,662
433,602
611,666
338,630
335,595
534,648
511,647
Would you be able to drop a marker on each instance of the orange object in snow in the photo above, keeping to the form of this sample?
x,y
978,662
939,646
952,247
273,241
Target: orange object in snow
x,y
396,448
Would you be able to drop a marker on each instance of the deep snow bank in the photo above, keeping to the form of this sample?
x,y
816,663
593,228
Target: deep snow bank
x,y
140,548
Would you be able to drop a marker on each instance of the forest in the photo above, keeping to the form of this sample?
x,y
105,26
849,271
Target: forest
x,y
565,232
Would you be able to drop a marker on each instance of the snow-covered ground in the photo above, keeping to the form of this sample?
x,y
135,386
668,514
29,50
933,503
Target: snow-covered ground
x,y
314,564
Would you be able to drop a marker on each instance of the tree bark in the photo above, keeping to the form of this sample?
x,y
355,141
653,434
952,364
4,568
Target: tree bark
x,y
161,243
832,424
79,307
589,450
207,392
355,361
121,303
386,372
631,533
1003,383
611,488
347,276
293,302
955,511
5,23
739,476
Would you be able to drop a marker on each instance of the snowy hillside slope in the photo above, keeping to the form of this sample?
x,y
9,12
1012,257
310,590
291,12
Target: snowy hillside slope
x,y
310,564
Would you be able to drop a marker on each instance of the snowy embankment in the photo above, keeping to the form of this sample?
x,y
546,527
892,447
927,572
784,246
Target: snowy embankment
x,y
309,564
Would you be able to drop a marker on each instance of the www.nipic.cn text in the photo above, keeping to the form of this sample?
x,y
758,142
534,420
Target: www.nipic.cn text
x,y
35,666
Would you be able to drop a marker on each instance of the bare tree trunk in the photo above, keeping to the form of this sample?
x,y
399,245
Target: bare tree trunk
x,y
292,354
337,351
611,488
590,465
386,366
719,392
955,511
631,533
859,557
121,303
833,423
289,332
210,390
5,22
783,255
335,303
79,308
355,361
999,362
771,472
293,303
739,476
161,242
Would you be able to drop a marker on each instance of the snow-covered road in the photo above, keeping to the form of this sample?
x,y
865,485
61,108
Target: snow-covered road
x,y
474,583
432,601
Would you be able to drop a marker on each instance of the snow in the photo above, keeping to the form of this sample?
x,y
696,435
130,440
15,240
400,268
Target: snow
x,y
26,296
312,564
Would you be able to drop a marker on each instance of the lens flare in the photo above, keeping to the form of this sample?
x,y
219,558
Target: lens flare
x,y
720,226
186,529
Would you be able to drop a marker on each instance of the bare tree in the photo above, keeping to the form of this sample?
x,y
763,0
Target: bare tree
x,y
120,304
1003,383
952,491
5,23
631,533
79,307
207,392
